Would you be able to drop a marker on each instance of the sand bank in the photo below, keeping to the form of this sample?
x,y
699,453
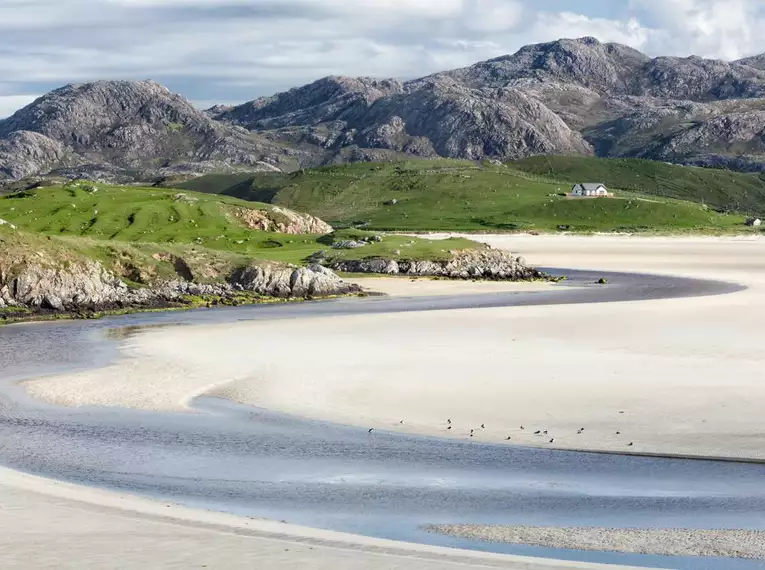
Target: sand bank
x,y
421,287
47,524
679,376
668,542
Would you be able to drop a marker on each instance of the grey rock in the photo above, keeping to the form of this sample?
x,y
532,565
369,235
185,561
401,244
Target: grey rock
x,y
87,285
491,264
123,125
285,281
348,244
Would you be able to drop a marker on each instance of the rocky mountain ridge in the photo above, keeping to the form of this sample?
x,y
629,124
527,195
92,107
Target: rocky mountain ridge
x,y
571,96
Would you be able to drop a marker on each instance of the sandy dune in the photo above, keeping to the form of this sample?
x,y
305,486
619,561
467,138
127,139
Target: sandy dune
x,y
679,376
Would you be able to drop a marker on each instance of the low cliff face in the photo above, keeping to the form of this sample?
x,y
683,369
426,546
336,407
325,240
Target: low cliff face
x,y
58,279
89,286
471,264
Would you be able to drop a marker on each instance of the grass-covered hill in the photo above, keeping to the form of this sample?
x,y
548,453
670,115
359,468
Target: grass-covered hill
x,y
463,195
720,189
142,222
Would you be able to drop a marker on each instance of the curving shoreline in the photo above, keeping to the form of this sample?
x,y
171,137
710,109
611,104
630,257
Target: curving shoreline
x,y
250,340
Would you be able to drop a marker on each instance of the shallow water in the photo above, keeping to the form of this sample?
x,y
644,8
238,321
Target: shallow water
x,y
239,459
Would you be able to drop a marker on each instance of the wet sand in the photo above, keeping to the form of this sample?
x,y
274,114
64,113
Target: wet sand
x,y
421,287
674,376
669,542
52,525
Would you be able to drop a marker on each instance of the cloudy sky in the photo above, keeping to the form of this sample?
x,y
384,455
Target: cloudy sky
x,y
223,51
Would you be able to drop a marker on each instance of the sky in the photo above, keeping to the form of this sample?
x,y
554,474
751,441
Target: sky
x,y
230,51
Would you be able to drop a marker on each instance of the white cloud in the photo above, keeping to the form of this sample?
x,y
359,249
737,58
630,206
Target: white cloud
x,y
727,29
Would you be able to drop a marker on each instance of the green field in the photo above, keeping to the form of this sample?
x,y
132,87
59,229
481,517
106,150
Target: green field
x,y
719,189
142,222
465,196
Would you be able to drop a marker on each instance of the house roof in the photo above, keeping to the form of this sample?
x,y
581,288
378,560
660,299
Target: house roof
x,y
590,185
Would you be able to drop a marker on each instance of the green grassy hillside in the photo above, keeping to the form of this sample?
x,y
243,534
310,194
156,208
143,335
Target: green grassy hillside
x,y
719,189
154,220
461,195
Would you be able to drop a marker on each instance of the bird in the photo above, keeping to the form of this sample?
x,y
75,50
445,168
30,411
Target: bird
x,y
551,440
630,444
523,427
471,431
471,434
545,432
618,433
483,426
401,422
508,438
581,429
579,432
449,422
450,427
370,430
537,432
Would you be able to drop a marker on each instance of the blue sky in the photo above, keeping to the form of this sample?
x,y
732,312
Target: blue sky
x,y
224,51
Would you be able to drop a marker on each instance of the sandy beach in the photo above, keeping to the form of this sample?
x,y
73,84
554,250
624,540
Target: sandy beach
x,y
421,287
52,525
680,376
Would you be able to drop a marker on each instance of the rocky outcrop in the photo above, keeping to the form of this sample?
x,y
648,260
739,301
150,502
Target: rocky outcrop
x,y
279,281
86,285
491,264
281,220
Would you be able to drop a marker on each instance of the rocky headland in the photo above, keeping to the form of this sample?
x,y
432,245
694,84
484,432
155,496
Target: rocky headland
x,y
87,288
46,276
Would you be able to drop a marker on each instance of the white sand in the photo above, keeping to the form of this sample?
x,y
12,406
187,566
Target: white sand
x,y
51,525
666,542
420,287
687,373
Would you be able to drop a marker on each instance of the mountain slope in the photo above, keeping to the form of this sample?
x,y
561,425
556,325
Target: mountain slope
x,y
125,125
575,96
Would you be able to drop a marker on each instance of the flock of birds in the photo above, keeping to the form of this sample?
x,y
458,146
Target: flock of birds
x,y
539,432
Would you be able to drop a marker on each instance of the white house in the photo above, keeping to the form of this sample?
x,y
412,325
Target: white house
x,y
590,189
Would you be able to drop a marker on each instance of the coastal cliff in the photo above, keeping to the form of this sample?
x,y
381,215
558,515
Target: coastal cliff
x,y
49,277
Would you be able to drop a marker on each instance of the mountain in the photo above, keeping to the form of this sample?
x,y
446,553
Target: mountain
x,y
571,96
126,127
